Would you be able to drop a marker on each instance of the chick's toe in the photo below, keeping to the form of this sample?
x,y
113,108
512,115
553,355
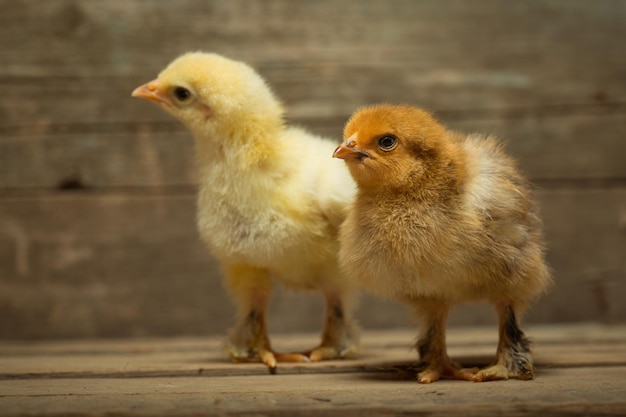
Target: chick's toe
x,y
513,357
249,342
445,369
340,338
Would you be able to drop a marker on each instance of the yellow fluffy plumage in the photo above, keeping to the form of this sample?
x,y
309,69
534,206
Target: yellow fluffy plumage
x,y
442,218
270,200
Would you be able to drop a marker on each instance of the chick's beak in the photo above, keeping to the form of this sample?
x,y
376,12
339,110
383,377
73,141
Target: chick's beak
x,y
348,150
148,91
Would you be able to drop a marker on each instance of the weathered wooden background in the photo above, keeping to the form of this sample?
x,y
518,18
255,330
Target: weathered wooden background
x,y
97,233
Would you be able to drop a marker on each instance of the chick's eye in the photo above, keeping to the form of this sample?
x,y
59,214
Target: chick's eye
x,y
182,93
387,142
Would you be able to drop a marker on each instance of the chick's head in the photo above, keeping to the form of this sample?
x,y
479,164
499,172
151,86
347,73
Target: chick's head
x,y
205,89
392,146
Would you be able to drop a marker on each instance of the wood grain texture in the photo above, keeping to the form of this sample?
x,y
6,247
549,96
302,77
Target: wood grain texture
x,y
97,234
190,377
114,265
572,148
534,71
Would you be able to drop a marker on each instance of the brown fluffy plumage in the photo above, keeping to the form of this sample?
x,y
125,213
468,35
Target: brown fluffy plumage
x,y
442,218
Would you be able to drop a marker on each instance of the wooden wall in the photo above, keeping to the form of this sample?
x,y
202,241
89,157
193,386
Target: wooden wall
x,y
97,190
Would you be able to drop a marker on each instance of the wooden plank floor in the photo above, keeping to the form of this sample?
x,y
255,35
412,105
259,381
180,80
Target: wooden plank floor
x,y
581,371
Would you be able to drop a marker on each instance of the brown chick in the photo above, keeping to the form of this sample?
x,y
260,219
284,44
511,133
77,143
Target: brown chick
x,y
439,219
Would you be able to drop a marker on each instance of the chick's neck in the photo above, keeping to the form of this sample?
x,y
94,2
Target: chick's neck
x,y
244,148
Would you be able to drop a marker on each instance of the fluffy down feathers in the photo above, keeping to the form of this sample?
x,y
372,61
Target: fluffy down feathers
x,y
441,218
270,200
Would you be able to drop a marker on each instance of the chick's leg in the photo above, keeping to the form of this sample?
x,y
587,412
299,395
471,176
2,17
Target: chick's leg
x,y
249,340
431,345
513,357
340,337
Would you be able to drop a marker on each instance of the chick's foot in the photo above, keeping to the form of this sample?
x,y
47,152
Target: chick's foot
x,y
267,356
512,363
249,342
514,359
338,351
499,372
340,338
445,369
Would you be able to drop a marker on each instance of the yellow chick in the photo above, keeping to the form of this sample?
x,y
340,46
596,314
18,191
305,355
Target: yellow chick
x,y
270,200
442,218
